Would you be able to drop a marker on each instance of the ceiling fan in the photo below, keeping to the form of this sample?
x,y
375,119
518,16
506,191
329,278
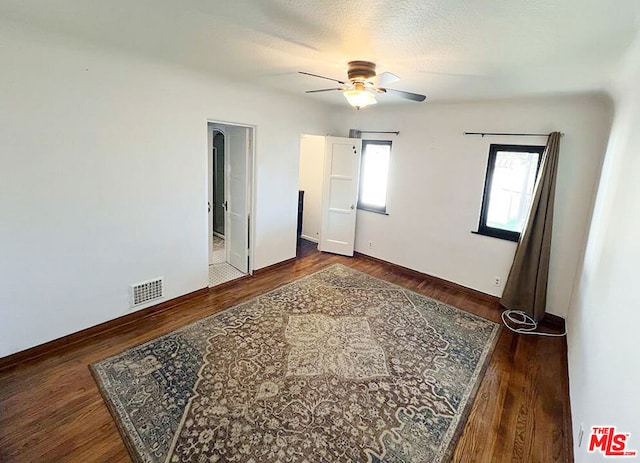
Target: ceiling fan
x,y
364,83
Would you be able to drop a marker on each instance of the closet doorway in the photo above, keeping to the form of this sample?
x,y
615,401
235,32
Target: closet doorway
x,y
328,182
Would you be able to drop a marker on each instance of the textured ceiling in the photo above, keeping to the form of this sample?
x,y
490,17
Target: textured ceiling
x,y
447,49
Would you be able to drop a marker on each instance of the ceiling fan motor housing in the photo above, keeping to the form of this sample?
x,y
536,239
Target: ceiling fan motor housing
x,y
361,70
363,82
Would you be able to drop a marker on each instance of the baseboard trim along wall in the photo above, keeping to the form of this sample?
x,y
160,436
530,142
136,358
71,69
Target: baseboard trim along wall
x,y
88,333
432,279
80,336
277,265
549,320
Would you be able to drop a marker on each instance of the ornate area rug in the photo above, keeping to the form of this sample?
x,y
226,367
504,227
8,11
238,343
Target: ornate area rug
x,y
335,367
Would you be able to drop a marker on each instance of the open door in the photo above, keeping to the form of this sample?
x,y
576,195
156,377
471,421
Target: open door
x,y
340,195
238,139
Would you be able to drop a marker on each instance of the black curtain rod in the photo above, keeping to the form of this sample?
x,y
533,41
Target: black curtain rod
x,y
511,134
377,131
355,133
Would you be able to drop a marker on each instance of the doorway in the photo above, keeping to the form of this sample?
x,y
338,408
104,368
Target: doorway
x,y
218,184
217,203
230,202
328,182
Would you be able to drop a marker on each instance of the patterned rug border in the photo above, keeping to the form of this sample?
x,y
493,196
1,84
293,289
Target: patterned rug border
x,y
470,397
131,449
453,434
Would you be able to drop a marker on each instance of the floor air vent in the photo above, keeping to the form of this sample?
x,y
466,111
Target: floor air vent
x,y
146,291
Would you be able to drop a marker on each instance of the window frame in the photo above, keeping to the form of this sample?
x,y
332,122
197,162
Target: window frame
x,y
483,228
363,206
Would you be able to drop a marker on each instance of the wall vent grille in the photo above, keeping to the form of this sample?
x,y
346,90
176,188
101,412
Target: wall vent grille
x,y
146,291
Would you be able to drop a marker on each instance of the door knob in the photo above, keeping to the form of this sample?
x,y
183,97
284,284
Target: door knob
x,y
352,207
208,206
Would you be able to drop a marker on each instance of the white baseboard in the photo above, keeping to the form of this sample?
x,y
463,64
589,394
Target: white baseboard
x,y
308,238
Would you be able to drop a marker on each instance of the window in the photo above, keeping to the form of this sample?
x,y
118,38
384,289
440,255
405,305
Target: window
x,y
374,171
508,189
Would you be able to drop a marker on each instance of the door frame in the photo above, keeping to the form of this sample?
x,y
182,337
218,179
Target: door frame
x,y
250,184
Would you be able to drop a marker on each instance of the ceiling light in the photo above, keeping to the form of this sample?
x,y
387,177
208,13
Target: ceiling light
x,y
359,97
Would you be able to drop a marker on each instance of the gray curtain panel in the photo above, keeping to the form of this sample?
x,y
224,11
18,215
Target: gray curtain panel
x,y
526,286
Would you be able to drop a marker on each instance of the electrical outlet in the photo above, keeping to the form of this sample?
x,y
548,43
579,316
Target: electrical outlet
x,y
497,281
370,244
580,434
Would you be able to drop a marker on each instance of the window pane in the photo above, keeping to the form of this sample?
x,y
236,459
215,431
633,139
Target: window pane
x,y
375,169
511,193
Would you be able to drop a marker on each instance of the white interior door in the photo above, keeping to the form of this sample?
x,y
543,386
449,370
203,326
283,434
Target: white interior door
x,y
340,195
237,216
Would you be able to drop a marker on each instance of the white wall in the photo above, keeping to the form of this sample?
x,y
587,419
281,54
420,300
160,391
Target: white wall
x,y
436,183
603,323
104,179
311,168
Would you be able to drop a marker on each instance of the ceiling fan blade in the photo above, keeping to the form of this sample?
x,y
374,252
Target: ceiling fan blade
x,y
384,78
403,94
325,90
322,77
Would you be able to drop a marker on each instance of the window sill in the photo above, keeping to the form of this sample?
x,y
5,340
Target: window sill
x,y
375,211
500,234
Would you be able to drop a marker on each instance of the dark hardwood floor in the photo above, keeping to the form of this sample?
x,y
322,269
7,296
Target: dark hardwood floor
x,y
51,410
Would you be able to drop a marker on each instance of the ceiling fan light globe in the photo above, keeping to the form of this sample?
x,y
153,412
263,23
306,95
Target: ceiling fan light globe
x,y
359,98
